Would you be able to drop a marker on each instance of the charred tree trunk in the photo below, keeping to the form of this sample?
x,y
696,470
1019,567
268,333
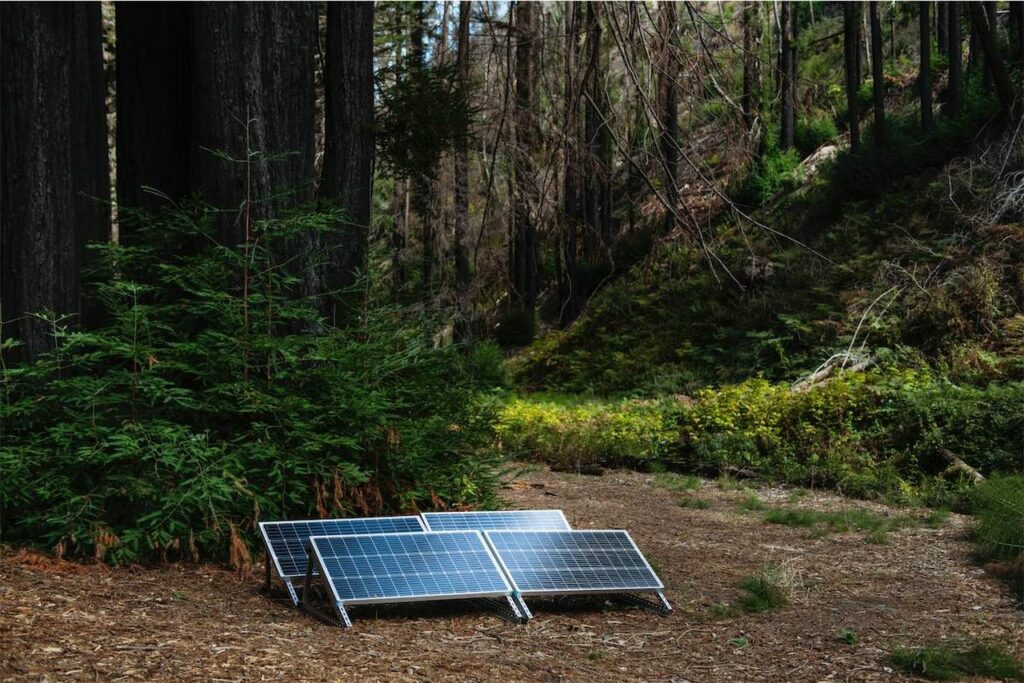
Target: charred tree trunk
x,y
877,75
597,206
154,91
954,90
987,37
851,45
669,105
570,296
751,65
523,247
54,171
925,77
942,26
463,314
787,74
253,96
348,147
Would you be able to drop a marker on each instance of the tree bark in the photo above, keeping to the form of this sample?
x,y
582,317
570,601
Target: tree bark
x,y
787,74
570,295
597,206
523,251
253,95
463,313
154,91
851,44
954,89
54,170
420,183
751,65
348,147
669,104
877,75
925,77
942,26
987,37
1017,31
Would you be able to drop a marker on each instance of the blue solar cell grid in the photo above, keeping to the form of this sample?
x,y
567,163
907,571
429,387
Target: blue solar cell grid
x,y
407,567
287,541
503,519
554,562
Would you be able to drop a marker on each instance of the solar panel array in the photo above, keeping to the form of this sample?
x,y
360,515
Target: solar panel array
x,y
286,541
559,562
503,519
409,566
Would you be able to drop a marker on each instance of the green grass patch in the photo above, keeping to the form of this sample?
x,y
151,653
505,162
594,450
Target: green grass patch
x,y
693,503
950,662
770,588
675,482
839,521
847,636
751,503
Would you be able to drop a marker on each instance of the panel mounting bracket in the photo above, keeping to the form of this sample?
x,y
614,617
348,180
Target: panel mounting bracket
x,y
659,605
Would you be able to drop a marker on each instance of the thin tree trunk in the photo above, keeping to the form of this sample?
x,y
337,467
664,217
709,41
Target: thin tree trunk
x,y
597,207
925,77
787,75
750,63
523,251
954,90
877,75
1000,77
154,81
668,98
399,211
569,285
463,317
421,184
348,147
1017,30
54,171
851,44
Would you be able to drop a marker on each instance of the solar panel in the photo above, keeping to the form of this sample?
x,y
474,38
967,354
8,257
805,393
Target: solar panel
x,y
568,562
406,567
502,519
286,541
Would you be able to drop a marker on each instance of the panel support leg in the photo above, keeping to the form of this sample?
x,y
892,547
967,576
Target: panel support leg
x,y
266,573
660,604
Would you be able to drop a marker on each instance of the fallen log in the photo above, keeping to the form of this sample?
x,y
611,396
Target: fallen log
x,y
957,465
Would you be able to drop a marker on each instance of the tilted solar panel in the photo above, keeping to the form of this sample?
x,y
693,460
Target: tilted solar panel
x,y
407,567
286,541
566,562
501,519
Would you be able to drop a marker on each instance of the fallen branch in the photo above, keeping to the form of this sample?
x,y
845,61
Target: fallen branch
x,y
832,367
957,465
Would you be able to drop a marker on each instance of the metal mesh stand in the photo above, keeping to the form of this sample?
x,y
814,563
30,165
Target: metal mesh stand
x,y
659,605
506,608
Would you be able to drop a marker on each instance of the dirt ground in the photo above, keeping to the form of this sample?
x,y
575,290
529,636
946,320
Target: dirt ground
x,y
60,621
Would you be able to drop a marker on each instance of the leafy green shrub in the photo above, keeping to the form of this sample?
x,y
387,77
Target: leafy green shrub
x,y
486,363
950,662
575,433
775,170
201,406
813,132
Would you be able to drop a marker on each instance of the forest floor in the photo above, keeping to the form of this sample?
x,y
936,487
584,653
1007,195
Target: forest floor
x,y
62,621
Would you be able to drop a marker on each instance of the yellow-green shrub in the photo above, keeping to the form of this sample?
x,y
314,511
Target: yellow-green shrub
x,y
574,433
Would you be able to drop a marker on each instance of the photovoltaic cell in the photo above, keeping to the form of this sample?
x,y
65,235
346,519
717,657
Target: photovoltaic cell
x,y
561,562
408,567
502,519
286,541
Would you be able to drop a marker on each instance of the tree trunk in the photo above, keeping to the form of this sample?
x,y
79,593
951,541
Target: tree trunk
x,y
154,82
348,146
954,90
523,251
990,15
669,104
925,77
253,94
399,214
54,170
597,206
1017,30
420,183
570,295
463,314
877,75
750,63
942,26
787,74
851,44
987,37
